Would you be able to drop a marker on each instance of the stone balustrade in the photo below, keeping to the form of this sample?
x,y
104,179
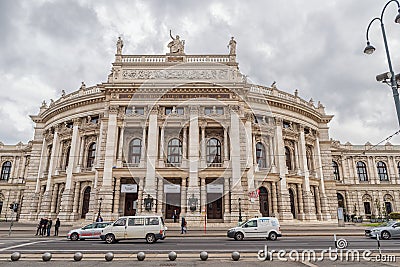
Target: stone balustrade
x,y
186,58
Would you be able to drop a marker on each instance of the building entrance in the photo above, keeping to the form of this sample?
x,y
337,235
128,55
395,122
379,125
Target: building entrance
x,y
172,198
130,204
214,206
263,198
85,202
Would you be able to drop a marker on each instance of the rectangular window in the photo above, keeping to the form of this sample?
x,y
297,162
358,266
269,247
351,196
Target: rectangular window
x,y
174,110
140,110
214,110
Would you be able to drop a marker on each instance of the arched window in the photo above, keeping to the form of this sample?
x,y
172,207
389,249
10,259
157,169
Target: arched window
x,y
174,155
135,150
362,171
288,158
382,171
91,155
260,154
213,151
6,170
336,173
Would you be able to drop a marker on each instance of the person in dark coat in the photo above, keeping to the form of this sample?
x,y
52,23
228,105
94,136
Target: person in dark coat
x,y
39,227
175,216
56,226
49,224
183,225
44,226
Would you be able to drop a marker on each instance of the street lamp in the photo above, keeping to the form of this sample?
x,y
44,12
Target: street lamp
x,y
369,49
240,209
98,215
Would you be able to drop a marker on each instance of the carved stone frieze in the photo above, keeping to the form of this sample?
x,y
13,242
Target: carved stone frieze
x,y
187,74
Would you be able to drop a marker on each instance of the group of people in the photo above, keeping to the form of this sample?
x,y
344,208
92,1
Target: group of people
x,y
44,227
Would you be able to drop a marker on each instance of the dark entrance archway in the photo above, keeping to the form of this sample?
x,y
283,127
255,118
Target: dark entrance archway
x,y
263,198
130,204
292,205
340,200
85,202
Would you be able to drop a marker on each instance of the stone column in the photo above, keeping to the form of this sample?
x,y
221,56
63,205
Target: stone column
x,y
121,146
184,150
373,179
296,159
75,208
54,198
193,187
226,153
152,152
391,170
227,215
203,146
117,196
300,198
203,195
160,195
143,149
162,152
274,199
46,200
272,154
40,170
66,200
140,195
318,204
284,200
183,197
307,196
324,209
81,154
254,154
106,190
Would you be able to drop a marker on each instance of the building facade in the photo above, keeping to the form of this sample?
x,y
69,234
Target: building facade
x,y
189,135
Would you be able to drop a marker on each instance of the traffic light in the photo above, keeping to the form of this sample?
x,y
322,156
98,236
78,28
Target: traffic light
x,y
15,207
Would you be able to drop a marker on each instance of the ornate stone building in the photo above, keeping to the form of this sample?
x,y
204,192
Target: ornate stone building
x,y
188,134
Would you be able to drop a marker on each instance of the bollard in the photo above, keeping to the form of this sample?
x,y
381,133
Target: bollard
x,y
15,256
172,256
235,256
46,256
203,255
109,256
141,256
78,256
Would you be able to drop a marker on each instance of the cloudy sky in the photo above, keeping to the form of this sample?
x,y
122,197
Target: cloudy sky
x,y
310,45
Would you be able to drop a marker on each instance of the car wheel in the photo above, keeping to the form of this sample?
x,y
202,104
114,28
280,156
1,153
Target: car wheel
x,y
385,235
150,238
110,238
273,236
239,236
74,236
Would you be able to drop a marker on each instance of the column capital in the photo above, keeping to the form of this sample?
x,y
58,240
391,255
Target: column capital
x,y
113,109
278,121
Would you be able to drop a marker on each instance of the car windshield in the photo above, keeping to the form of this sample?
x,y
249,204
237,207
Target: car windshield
x,y
385,224
241,224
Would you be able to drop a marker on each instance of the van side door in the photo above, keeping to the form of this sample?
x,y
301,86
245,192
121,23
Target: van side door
x,y
250,228
135,228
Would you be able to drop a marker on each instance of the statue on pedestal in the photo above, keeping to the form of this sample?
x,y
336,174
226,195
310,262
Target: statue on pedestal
x,y
176,46
232,46
120,44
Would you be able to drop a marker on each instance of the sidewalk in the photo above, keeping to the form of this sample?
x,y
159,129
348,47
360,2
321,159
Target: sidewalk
x,y
288,230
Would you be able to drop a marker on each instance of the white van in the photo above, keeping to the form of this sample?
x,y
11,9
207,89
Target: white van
x,y
264,227
151,228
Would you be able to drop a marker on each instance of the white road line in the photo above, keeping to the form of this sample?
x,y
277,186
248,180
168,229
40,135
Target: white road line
x,y
23,245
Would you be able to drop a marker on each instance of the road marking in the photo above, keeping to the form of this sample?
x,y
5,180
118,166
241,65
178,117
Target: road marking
x,y
23,245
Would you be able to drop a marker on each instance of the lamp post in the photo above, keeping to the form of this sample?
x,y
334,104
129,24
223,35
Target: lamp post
x,y
240,209
98,215
369,49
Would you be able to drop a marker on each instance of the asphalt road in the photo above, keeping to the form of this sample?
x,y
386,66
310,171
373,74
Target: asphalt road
x,y
187,245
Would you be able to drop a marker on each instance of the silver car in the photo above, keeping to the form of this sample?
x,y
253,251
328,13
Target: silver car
x,y
387,230
90,231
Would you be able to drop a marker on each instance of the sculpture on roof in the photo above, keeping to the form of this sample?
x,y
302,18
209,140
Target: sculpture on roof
x,y
232,46
176,46
120,44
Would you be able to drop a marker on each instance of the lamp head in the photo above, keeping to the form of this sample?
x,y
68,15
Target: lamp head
x,y
369,49
397,19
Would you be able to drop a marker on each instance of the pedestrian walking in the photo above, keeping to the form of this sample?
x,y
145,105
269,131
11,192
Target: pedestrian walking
x,y
39,227
49,224
56,226
175,216
183,225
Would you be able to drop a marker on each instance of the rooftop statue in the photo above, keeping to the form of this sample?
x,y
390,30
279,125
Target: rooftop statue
x,y
120,44
232,46
176,46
